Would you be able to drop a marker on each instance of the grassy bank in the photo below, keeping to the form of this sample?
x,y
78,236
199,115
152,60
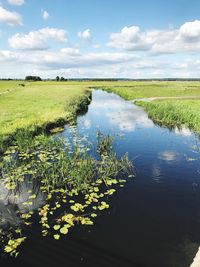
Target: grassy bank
x,y
166,111
175,112
36,106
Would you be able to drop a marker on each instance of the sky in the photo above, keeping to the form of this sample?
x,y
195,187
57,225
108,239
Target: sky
x,y
100,38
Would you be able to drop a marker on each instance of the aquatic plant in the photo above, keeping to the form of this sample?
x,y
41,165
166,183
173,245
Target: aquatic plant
x,y
64,185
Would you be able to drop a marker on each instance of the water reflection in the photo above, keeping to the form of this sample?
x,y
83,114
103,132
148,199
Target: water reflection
x,y
129,118
13,201
156,173
87,124
168,156
183,131
122,115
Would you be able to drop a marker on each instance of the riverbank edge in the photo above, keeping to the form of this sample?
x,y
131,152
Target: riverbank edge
x,y
166,114
78,106
156,112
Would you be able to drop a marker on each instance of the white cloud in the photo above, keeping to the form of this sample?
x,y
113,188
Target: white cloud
x,y
70,62
96,46
190,31
16,2
10,17
130,38
184,39
45,15
70,51
85,35
6,56
68,58
37,40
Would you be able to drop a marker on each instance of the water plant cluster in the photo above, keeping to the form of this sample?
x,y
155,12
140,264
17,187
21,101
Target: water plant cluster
x,y
56,185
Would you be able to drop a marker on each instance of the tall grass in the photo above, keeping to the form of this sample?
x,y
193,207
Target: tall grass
x,y
181,112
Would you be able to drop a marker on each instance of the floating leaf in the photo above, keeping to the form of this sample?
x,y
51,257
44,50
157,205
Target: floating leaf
x,y
56,227
27,223
32,197
77,207
64,230
86,221
103,206
25,216
13,244
56,237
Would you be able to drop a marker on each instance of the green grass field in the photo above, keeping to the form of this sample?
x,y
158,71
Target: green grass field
x,y
133,90
37,104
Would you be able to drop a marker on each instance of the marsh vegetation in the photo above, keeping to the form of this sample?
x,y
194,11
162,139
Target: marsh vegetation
x,y
73,185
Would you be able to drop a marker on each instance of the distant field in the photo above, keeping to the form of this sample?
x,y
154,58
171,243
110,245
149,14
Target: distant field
x,y
133,90
171,112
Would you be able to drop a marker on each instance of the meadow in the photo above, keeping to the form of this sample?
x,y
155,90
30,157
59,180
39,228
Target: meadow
x,y
33,107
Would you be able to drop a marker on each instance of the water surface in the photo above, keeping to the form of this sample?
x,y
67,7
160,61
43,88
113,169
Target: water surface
x,y
155,219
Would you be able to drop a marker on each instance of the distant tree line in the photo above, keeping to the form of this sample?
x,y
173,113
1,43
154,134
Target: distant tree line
x,y
62,79
6,79
33,78
37,78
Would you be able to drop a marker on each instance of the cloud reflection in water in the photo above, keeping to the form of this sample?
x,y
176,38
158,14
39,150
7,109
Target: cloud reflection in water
x,y
120,113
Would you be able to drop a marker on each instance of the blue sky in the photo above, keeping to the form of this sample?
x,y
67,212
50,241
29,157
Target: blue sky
x,y
100,38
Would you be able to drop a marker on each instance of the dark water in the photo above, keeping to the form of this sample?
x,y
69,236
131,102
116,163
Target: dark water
x,y
155,219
